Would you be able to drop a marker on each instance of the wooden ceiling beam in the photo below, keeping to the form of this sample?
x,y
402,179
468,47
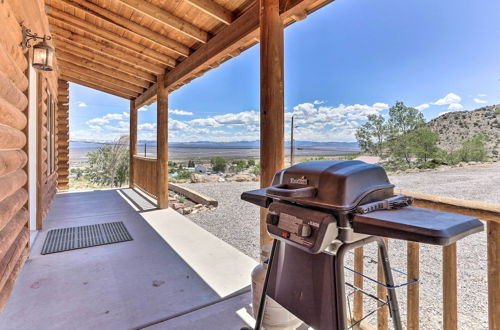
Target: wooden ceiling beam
x,y
168,19
97,82
105,49
94,86
111,63
154,37
61,16
246,26
96,67
93,74
213,9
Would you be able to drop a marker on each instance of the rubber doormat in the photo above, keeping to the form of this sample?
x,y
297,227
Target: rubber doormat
x,y
72,238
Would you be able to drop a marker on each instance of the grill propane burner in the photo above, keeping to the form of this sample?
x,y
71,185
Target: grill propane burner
x,y
317,212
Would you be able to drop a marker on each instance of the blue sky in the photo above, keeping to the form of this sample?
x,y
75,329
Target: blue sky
x,y
345,61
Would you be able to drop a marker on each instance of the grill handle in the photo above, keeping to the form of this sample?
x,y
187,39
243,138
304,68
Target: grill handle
x,y
284,190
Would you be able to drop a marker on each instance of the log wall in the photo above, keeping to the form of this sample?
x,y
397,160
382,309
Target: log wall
x,y
14,132
63,135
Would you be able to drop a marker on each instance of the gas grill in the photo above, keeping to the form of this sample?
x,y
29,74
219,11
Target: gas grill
x,y
320,210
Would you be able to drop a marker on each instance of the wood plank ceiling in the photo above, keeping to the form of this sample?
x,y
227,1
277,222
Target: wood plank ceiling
x,y
120,46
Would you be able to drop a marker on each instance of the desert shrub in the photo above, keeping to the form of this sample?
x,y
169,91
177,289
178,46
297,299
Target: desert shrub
x,y
474,149
109,165
183,175
191,163
219,164
239,165
251,162
256,169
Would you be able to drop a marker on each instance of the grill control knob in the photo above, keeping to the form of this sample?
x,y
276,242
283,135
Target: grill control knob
x,y
304,230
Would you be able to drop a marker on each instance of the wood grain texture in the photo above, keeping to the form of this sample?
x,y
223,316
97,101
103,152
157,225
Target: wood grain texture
x,y
11,231
11,116
11,205
493,236
272,107
168,19
11,160
213,9
162,144
9,261
450,303
358,282
413,291
145,175
10,93
133,142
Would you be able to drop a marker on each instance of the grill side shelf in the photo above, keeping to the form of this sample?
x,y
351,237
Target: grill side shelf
x,y
418,225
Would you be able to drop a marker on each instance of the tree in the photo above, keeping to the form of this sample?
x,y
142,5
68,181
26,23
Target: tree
x,y
402,120
109,165
191,163
372,134
423,143
219,164
474,149
239,165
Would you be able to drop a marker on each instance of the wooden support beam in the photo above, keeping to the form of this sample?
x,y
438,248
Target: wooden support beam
x,y
215,50
168,19
493,236
63,17
96,87
358,282
88,58
450,303
162,144
95,81
133,142
151,36
104,49
67,66
413,291
213,9
102,69
272,103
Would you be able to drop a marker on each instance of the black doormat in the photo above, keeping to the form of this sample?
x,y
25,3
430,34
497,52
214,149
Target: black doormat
x,y
72,238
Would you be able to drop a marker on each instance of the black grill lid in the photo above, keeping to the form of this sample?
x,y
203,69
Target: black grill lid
x,y
339,185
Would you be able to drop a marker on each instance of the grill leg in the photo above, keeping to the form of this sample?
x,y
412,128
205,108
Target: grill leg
x,y
262,305
391,291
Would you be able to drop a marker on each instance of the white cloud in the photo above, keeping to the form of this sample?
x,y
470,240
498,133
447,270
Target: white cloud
x,y
107,118
455,106
228,119
449,99
482,95
143,108
442,113
477,100
180,112
318,102
147,127
81,104
422,107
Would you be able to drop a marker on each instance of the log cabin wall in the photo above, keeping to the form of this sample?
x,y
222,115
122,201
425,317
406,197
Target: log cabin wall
x,y
63,135
14,132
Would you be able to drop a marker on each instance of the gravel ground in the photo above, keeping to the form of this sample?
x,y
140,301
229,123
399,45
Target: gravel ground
x,y
237,223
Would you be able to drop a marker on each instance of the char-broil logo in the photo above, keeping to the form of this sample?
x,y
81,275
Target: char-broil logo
x,y
301,180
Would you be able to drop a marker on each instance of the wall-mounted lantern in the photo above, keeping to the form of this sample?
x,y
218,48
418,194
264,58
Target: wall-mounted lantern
x,y
43,54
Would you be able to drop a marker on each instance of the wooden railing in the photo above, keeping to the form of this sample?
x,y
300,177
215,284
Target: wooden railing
x,y
484,211
145,176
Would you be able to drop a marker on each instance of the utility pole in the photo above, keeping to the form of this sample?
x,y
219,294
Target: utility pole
x,y
145,153
291,143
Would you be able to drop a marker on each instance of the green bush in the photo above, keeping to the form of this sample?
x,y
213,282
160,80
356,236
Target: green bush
x,y
251,162
191,163
219,164
183,175
239,165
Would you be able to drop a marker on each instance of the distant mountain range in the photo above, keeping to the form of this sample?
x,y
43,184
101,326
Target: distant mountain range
x,y
235,144
456,127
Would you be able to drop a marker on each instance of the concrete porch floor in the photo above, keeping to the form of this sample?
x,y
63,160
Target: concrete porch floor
x,y
173,275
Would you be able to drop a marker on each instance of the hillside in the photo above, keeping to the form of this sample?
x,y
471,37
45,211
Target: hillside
x,y
456,127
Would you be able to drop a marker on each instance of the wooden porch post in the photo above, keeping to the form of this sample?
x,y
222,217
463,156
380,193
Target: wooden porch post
x,y
272,108
133,141
162,142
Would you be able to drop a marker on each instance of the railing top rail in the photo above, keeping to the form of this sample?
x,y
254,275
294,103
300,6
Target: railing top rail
x,y
480,210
